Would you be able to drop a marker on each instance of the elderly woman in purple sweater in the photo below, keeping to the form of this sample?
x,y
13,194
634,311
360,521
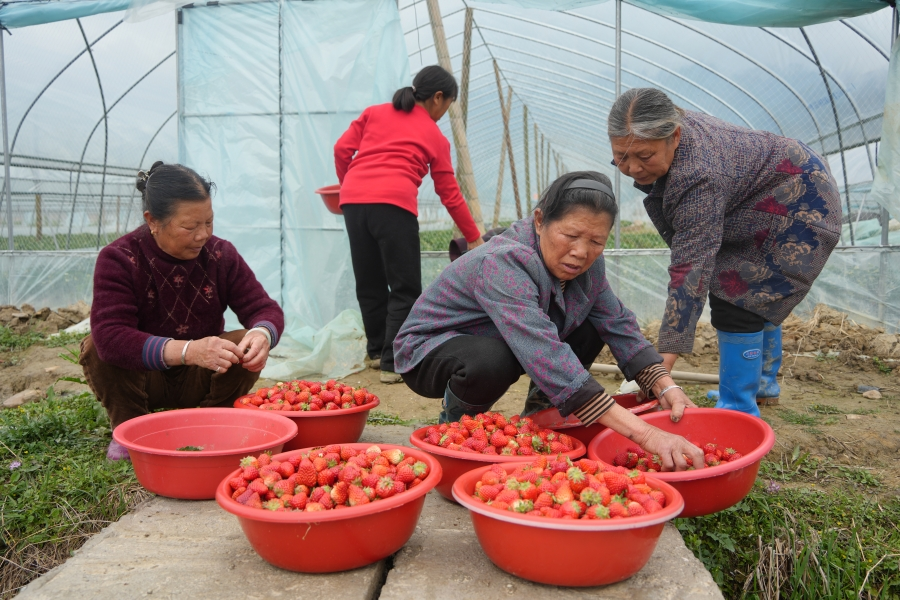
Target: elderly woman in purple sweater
x,y
751,218
157,320
535,300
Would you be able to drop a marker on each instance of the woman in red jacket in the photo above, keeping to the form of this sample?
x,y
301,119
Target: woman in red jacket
x,y
380,162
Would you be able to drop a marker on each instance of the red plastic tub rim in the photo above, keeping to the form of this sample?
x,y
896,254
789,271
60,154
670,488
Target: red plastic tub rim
x,y
329,189
223,495
746,460
416,440
122,429
639,408
337,412
674,506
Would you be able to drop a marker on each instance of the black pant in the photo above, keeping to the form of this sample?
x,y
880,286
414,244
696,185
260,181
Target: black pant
x,y
481,369
384,247
729,318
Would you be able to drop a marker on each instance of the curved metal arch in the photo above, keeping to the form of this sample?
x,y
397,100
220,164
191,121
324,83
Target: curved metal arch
x,y
104,118
141,164
866,38
105,141
757,64
837,82
630,53
672,50
624,70
610,92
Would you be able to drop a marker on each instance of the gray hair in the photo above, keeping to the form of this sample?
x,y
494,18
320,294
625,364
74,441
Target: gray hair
x,y
645,113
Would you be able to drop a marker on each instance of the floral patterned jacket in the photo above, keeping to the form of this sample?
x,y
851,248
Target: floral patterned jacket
x,y
503,290
751,217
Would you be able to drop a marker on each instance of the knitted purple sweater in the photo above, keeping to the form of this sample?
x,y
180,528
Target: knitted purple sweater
x,y
144,297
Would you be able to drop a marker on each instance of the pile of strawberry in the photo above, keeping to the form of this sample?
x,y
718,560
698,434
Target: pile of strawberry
x,y
308,395
492,433
634,457
326,478
560,489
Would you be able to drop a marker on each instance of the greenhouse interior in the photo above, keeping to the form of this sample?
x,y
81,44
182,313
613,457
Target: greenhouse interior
x,y
254,94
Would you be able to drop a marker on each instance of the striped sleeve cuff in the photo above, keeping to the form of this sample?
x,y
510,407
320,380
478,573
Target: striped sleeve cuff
x,y
271,329
152,354
648,377
595,408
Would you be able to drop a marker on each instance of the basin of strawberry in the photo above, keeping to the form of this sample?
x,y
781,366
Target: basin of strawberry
x,y
561,489
301,395
634,457
333,477
493,433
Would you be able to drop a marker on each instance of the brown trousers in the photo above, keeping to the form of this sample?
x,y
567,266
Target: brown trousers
x,y
126,394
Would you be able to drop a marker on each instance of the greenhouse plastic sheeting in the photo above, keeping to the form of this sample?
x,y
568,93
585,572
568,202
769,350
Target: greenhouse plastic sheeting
x,y
262,119
51,279
886,184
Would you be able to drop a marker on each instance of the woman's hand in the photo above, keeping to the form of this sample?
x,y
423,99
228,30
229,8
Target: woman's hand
x,y
254,349
675,399
671,448
213,353
475,244
668,360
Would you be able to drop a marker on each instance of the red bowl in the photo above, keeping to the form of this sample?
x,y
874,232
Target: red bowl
x,y
331,196
333,540
225,435
588,552
322,427
551,419
455,463
710,489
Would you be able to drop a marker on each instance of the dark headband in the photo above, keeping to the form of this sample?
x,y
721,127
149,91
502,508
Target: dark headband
x,y
590,184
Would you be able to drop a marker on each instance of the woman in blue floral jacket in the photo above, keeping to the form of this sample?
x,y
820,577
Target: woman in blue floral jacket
x,y
535,300
751,218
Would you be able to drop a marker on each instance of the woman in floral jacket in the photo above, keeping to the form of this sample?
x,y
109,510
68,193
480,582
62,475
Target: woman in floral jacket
x,y
535,300
751,218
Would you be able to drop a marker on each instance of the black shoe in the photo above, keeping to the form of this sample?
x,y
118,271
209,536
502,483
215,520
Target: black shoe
x,y
535,401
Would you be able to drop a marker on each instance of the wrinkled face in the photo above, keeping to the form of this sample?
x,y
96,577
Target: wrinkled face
x,y
645,161
185,233
570,245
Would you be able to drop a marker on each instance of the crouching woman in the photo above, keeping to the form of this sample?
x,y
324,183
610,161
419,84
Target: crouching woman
x,y
157,320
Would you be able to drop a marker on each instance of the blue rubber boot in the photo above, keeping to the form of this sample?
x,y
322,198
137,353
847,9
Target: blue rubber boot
x,y
740,369
769,390
454,408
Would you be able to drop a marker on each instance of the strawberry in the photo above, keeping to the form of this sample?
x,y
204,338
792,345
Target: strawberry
x,y
236,483
509,496
636,476
263,459
635,509
588,466
577,479
659,497
573,509
314,507
615,482
709,448
617,510
488,492
543,499
563,493
651,506
357,496
339,493
273,505
394,455
405,474
286,469
298,501
385,487
283,487
350,473
711,460
399,487
306,473
521,506
597,511
499,439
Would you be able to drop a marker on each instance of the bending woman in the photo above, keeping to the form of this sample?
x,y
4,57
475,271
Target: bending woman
x,y
751,218
395,145
157,320
535,300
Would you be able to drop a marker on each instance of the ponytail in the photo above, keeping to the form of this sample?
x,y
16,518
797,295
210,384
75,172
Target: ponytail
x,y
427,83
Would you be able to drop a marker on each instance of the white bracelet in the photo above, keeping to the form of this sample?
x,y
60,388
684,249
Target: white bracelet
x,y
184,351
671,387
265,332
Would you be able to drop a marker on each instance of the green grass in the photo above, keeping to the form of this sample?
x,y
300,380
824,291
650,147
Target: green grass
x,y
56,486
795,418
78,241
439,240
376,417
11,341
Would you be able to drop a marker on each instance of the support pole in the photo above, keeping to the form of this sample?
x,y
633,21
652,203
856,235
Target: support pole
x,y
546,158
38,218
527,166
466,64
885,215
7,184
464,173
509,147
537,163
617,182
500,170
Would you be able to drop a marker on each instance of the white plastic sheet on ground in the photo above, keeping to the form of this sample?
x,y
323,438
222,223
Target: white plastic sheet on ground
x,y
261,119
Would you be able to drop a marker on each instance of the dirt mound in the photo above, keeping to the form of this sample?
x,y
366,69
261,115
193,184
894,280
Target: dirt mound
x,y
43,320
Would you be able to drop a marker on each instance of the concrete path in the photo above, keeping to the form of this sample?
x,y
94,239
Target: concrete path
x,y
179,549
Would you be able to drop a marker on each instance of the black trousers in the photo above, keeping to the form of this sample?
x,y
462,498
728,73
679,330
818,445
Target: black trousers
x,y
729,318
384,248
479,370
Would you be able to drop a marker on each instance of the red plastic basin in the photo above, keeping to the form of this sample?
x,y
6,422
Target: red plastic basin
x,y
331,196
567,552
551,419
333,540
322,427
710,489
455,463
225,435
